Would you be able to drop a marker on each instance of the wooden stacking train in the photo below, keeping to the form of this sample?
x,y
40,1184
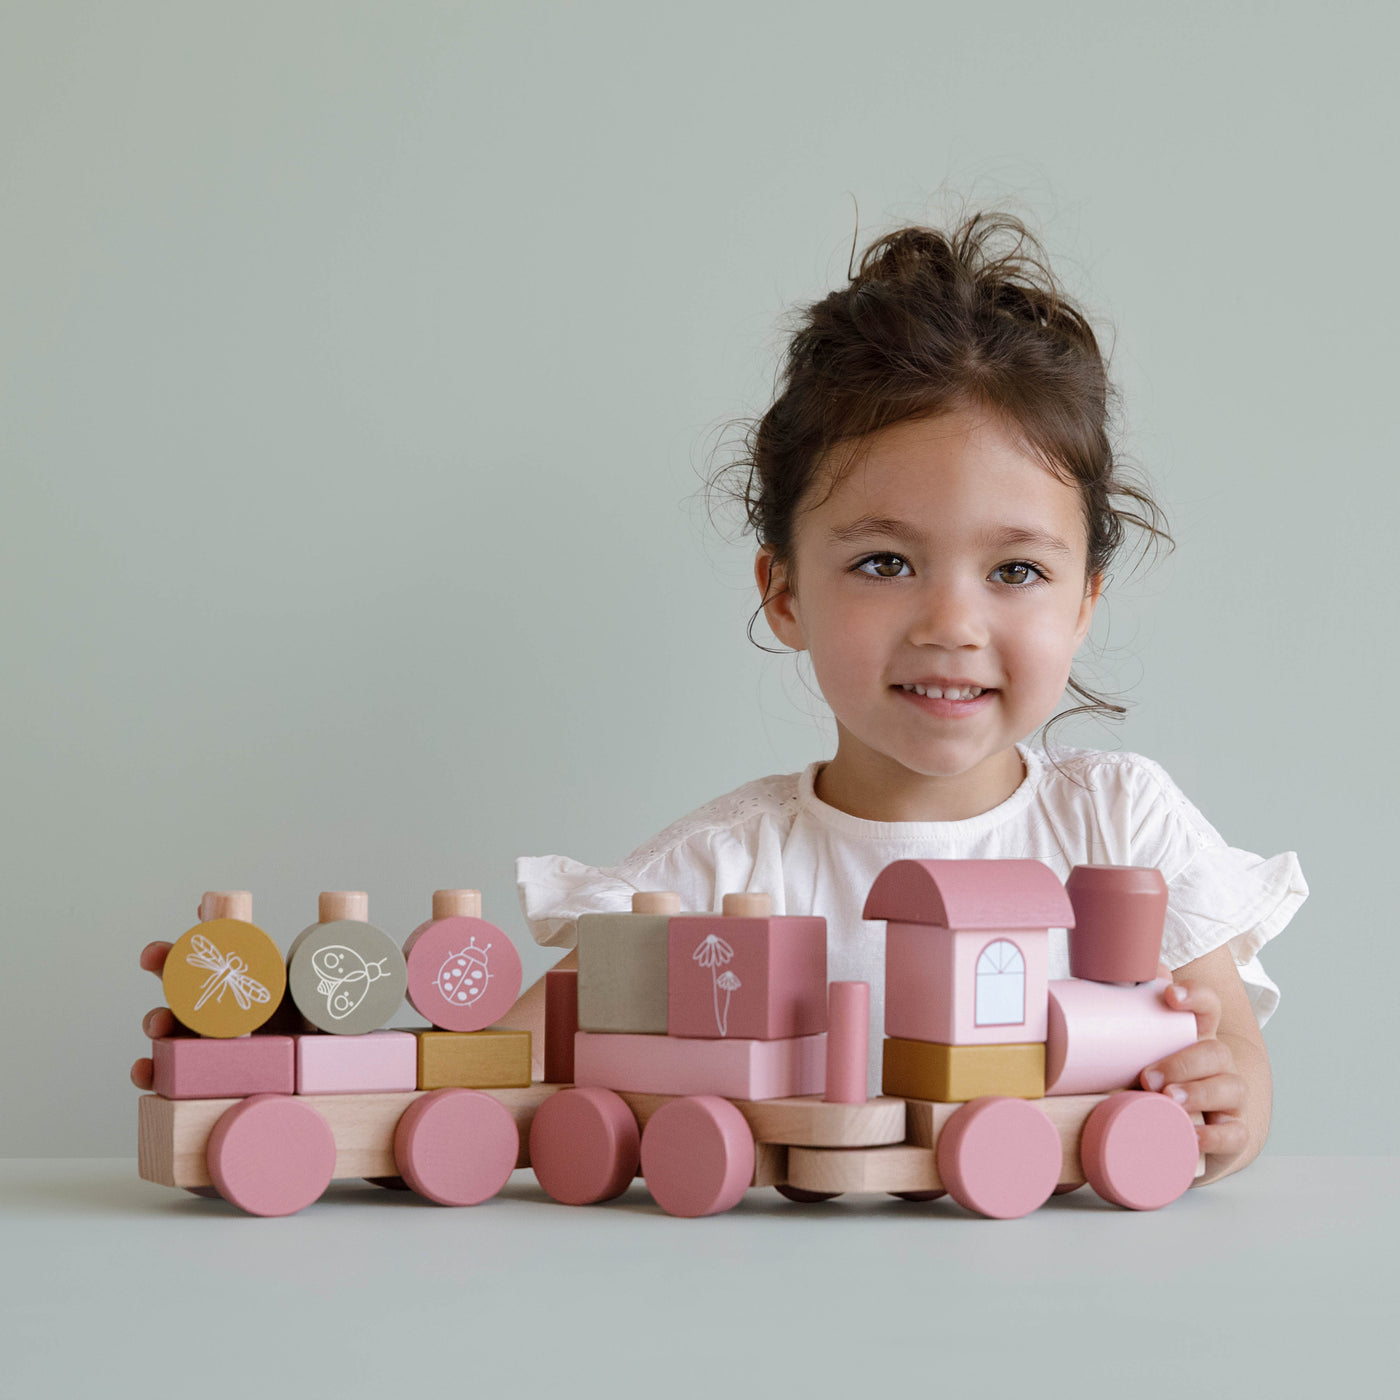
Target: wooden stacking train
x,y
705,1052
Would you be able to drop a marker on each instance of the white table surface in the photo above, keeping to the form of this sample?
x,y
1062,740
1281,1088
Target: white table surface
x,y
1280,1281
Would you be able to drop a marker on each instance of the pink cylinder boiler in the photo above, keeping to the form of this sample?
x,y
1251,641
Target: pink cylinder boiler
x,y
1101,1037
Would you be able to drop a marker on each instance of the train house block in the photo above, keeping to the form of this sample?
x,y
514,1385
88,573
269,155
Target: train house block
x,y
622,967
379,1062
731,1068
967,948
496,1058
920,1069
746,974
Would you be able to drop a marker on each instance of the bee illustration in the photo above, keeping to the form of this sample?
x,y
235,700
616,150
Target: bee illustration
x,y
225,973
338,968
463,976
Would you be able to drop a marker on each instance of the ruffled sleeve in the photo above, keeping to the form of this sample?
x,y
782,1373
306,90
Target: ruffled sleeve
x,y
732,843
1217,893
555,890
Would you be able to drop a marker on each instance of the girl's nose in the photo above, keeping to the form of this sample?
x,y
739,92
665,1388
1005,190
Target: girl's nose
x,y
949,613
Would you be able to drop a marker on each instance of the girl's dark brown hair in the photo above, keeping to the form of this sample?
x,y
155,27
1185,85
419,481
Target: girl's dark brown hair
x,y
932,322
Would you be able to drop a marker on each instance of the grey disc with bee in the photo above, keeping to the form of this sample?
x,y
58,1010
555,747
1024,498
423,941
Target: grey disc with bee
x,y
346,977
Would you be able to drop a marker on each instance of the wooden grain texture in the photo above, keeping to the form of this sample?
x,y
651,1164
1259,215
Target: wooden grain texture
x,y
770,1163
807,1121
172,1135
862,1169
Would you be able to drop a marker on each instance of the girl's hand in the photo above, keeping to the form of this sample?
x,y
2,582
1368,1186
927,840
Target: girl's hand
x,y
157,1022
1225,1075
1203,1078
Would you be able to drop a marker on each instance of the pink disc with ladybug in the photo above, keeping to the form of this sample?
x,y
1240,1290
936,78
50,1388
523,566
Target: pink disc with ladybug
x,y
463,973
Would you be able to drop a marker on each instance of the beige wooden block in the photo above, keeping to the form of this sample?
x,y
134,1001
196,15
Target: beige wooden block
x,y
863,1169
770,1163
173,1134
498,1058
622,973
806,1121
921,1069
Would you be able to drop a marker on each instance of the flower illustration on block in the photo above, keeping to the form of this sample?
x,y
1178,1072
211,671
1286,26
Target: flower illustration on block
x,y
730,983
713,952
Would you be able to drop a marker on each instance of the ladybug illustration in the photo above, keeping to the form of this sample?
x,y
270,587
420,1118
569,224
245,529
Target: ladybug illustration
x,y
463,976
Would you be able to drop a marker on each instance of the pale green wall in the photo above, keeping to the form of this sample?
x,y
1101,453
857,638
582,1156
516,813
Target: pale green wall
x,y
357,361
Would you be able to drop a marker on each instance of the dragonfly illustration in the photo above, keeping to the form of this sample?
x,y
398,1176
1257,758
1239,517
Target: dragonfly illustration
x,y
226,973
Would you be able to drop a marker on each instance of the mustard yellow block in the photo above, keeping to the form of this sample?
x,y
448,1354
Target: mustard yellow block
x,y
921,1069
490,1059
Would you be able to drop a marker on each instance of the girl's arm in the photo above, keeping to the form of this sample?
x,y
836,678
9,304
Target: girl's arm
x,y
1225,1075
528,1015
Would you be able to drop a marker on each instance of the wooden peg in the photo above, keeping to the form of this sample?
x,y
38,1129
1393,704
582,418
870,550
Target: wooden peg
x,y
747,906
456,904
226,904
343,904
656,902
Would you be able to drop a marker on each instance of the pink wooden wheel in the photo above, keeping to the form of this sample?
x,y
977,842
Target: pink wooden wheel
x,y
584,1146
271,1154
1139,1150
1000,1157
697,1155
457,1147
805,1198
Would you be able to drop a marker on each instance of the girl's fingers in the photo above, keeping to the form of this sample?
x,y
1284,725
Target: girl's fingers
x,y
1199,1060
153,957
158,1022
1221,1093
143,1073
1199,998
1223,1135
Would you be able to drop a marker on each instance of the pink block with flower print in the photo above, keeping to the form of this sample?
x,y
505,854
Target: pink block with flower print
x,y
746,978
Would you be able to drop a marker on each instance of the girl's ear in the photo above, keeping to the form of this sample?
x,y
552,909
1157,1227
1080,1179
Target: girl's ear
x,y
779,602
1093,591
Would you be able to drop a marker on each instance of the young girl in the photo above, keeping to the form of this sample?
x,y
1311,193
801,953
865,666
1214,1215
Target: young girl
x,y
933,498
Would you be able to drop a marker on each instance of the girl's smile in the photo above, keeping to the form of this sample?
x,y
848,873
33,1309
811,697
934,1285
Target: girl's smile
x,y
945,562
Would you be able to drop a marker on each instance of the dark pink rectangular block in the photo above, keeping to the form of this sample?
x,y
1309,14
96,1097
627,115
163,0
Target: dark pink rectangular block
x,y
733,1069
746,978
189,1067
560,1024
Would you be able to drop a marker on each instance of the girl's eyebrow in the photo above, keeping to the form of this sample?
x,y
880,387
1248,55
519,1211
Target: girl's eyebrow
x,y
889,528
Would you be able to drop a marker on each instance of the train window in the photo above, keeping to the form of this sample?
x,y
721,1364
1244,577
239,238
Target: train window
x,y
1001,985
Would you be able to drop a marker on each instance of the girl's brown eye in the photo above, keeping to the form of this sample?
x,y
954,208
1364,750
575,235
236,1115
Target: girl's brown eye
x,y
884,566
1025,573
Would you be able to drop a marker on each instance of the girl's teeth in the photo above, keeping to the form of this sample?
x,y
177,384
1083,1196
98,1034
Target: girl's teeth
x,y
971,693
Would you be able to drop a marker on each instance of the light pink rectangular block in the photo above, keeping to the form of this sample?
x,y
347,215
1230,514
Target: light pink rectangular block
x,y
746,978
189,1067
733,1069
966,987
380,1062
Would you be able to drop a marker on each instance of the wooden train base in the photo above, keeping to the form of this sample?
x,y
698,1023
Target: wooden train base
x,y
999,1156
